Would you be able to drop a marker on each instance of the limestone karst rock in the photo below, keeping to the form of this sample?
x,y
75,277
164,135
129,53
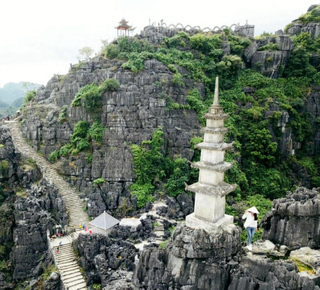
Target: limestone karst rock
x,y
130,114
294,220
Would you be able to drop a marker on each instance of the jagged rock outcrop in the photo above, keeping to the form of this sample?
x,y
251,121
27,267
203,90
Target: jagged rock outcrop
x,y
294,220
192,259
259,272
8,157
103,259
140,233
313,28
268,62
53,282
312,106
36,210
25,214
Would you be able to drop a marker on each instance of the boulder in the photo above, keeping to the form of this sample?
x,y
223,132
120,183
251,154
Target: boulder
x,y
308,256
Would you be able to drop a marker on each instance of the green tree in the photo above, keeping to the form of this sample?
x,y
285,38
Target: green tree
x,y
86,53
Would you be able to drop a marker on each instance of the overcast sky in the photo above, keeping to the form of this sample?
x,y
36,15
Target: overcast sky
x,y
40,38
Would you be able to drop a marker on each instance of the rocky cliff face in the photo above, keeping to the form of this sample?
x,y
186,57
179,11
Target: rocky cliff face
x,y
37,210
130,115
269,62
294,220
27,211
105,260
312,28
8,158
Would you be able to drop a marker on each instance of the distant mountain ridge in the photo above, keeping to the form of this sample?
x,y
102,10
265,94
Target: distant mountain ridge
x,y
12,91
12,95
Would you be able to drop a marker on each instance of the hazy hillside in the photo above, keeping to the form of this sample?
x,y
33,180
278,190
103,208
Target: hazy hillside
x,y
12,91
12,95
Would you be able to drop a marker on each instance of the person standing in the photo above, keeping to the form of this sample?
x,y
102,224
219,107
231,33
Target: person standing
x,y
251,224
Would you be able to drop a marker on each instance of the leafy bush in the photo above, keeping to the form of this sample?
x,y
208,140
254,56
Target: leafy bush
x,y
95,132
99,181
91,95
109,85
30,96
89,158
149,166
4,166
143,192
81,93
66,150
53,157
112,51
269,47
194,99
181,174
80,131
83,145
92,98
63,114
177,79
310,16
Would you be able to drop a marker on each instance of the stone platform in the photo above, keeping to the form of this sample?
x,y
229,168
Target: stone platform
x,y
224,223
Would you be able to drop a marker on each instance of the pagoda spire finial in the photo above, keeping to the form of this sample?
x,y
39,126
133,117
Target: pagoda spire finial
x,y
216,93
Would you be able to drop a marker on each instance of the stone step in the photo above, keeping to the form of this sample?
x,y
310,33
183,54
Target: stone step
x,y
65,259
67,268
71,275
79,286
76,284
66,273
65,250
65,254
71,279
68,265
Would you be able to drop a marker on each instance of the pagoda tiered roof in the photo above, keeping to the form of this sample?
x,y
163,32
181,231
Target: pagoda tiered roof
x,y
213,116
220,167
222,189
220,130
215,146
123,24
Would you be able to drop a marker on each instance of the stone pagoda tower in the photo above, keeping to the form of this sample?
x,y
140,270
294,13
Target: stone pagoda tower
x,y
209,212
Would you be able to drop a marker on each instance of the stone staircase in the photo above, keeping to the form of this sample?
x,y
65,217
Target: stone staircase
x,y
70,196
68,267
65,260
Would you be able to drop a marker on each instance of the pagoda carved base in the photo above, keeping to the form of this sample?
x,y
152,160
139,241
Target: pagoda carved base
x,y
224,223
